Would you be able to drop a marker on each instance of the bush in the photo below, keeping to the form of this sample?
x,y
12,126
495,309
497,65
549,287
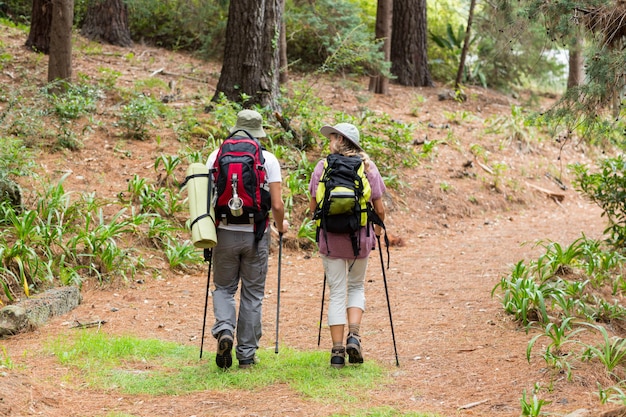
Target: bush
x,y
333,36
180,25
607,189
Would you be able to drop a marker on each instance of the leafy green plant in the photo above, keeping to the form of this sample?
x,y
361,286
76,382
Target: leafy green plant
x,y
170,163
479,152
559,335
75,101
532,408
610,353
182,255
522,296
137,115
614,394
429,149
96,247
5,359
15,158
137,187
516,129
556,259
445,186
459,117
452,44
607,189
108,77
307,230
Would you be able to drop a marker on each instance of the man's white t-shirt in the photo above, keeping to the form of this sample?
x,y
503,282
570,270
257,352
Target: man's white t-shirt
x,y
272,174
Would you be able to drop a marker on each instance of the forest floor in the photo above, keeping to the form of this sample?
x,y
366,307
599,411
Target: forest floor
x,y
457,230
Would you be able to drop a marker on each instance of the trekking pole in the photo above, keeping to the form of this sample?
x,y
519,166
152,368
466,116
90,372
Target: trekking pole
x,y
280,254
393,336
319,332
208,254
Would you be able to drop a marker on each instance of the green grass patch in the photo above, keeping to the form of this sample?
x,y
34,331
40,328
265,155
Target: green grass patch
x,y
383,412
149,366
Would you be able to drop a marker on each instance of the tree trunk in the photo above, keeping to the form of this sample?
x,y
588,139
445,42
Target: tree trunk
x,y
40,22
251,54
409,61
380,84
107,21
60,61
284,65
466,41
576,73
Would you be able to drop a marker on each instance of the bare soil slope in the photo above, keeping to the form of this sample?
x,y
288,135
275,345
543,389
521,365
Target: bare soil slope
x,y
456,235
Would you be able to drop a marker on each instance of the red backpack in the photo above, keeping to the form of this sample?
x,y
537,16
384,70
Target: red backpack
x,y
243,195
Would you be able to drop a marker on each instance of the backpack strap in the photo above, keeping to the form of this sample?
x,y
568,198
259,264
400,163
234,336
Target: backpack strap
x,y
374,218
209,194
241,130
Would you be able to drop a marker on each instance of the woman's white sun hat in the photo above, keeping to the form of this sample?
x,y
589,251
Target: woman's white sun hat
x,y
347,130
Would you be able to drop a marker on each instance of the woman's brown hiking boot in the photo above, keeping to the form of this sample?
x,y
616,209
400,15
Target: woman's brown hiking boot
x,y
338,357
353,348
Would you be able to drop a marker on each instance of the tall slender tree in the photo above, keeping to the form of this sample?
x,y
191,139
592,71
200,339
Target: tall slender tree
x,y
409,60
576,72
466,42
60,61
284,64
251,64
379,84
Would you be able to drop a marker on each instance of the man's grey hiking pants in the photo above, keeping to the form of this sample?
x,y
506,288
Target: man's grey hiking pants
x,y
237,258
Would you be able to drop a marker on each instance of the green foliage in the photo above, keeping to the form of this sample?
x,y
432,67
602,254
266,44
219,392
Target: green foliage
x,y
16,11
603,61
15,157
516,129
137,116
522,296
75,101
610,353
5,359
558,335
384,138
183,255
170,163
451,44
332,36
511,49
64,239
607,189
178,24
540,291
532,407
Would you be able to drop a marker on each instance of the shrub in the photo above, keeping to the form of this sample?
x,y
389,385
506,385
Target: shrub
x,y
607,188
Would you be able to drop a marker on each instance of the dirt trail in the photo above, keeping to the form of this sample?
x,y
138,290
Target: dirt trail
x,y
455,345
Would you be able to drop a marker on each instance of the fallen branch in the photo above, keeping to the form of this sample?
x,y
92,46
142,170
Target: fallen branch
x,y
483,166
472,405
173,74
80,325
558,197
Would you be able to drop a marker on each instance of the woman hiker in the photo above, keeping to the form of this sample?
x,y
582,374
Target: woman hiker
x,y
345,270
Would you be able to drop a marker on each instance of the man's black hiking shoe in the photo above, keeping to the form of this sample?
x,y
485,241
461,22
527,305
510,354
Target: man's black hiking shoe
x,y
338,357
353,348
224,358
